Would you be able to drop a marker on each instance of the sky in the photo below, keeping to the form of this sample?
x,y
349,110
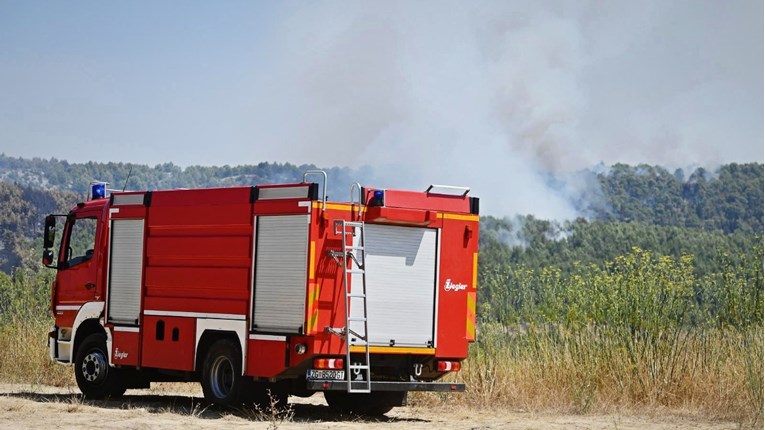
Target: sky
x,y
496,95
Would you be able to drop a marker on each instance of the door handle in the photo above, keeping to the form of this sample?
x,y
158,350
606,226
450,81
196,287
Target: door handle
x,y
90,285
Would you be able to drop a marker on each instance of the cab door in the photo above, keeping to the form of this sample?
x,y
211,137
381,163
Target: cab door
x,y
76,280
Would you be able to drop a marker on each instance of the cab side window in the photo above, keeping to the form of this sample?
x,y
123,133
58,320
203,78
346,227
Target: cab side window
x,y
81,241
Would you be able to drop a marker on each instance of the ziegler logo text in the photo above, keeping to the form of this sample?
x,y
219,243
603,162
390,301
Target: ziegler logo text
x,y
450,286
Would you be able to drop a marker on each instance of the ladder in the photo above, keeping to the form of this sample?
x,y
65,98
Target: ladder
x,y
352,259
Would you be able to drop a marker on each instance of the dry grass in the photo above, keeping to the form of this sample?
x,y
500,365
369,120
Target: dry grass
x,y
272,413
24,354
716,373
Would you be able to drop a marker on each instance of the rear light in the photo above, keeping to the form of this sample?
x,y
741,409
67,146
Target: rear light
x,y
328,363
449,366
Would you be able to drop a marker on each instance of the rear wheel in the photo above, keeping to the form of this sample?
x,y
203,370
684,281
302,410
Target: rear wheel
x,y
222,380
95,378
372,404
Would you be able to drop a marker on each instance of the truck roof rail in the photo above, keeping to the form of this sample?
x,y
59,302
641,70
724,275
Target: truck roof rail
x,y
449,189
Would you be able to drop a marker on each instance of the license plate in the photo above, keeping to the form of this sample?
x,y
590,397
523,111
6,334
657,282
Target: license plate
x,y
325,374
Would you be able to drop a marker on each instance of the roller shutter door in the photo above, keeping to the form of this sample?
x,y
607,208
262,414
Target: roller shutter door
x,y
280,273
125,271
401,278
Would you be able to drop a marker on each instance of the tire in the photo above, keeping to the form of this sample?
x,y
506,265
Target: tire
x,y
95,378
222,381
370,404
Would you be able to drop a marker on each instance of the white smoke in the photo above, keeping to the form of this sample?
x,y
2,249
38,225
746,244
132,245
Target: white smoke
x,y
429,94
497,96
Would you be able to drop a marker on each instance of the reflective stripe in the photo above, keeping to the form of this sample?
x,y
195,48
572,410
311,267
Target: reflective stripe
x,y
312,262
193,314
340,206
395,350
313,311
470,323
268,337
458,217
475,271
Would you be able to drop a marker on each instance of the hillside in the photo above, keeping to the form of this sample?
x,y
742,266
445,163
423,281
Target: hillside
x,y
702,213
75,177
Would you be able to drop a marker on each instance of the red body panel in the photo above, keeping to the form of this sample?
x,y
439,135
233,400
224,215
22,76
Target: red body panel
x,y
457,281
425,201
168,342
126,351
266,358
198,251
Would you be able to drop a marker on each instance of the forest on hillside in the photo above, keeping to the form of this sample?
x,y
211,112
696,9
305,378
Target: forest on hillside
x,y
700,213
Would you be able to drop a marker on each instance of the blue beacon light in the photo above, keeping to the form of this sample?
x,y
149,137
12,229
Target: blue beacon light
x,y
378,198
98,191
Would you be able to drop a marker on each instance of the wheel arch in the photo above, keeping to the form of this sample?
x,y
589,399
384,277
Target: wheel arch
x,y
208,330
208,338
87,322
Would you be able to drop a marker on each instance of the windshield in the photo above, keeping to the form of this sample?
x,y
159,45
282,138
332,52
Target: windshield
x,y
81,241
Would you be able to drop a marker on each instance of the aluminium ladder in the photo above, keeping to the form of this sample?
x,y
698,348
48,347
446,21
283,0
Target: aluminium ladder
x,y
353,259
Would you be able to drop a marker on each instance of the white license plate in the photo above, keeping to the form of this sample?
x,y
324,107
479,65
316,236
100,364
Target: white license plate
x,y
325,374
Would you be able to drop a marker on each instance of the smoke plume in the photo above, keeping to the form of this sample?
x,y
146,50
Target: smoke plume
x,y
497,96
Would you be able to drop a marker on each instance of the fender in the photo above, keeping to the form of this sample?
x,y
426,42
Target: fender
x,y
237,326
90,310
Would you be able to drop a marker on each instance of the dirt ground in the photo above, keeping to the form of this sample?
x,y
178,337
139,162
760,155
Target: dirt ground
x,y
167,407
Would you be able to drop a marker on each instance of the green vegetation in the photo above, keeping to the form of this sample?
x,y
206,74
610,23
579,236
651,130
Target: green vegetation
x,y
654,300
76,177
25,319
533,243
635,290
727,200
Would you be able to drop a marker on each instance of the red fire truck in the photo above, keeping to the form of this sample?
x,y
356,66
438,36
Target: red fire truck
x,y
266,290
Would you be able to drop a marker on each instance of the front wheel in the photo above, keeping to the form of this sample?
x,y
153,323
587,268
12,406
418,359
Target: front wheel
x,y
222,381
95,378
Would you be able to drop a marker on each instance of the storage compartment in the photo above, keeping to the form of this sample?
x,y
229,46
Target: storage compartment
x,y
168,342
401,279
280,273
125,270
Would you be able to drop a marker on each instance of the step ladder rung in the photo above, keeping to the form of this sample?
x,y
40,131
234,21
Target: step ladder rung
x,y
352,233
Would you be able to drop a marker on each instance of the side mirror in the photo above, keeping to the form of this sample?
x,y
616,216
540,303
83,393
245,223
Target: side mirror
x,y
49,236
47,258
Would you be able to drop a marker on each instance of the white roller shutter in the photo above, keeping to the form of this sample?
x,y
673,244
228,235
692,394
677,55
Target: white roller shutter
x,y
280,273
400,275
125,270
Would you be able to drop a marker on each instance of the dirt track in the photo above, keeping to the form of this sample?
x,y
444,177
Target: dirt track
x,y
25,407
